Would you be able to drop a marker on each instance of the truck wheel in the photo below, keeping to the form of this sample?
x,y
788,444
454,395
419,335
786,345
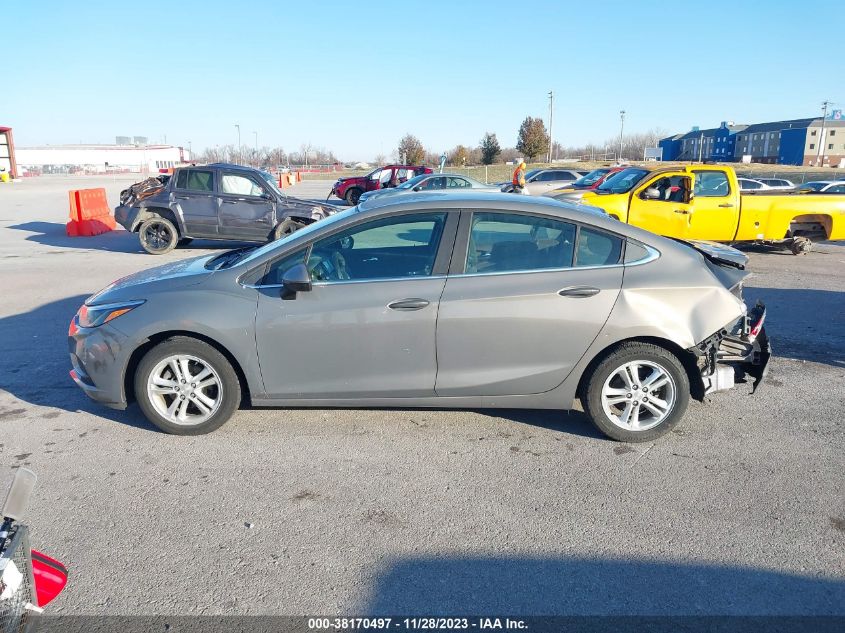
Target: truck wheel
x,y
638,393
286,227
353,195
158,235
186,387
800,245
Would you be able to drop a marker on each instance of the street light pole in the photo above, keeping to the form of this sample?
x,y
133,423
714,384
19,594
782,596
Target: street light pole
x,y
551,114
256,141
621,132
820,153
239,140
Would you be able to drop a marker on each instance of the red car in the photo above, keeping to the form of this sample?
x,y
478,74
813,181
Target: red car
x,y
592,180
350,189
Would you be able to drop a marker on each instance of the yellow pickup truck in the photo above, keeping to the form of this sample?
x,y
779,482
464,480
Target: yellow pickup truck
x,y
703,202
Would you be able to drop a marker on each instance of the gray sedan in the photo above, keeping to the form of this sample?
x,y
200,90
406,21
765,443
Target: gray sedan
x,y
432,182
430,300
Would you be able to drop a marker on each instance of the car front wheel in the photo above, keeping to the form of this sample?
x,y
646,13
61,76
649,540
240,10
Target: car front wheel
x,y
286,227
637,393
186,387
352,196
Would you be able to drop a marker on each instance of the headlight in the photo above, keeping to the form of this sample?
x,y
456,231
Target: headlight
x,y
93,316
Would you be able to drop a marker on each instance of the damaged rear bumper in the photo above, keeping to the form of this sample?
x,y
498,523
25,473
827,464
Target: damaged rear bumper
x,y
738,353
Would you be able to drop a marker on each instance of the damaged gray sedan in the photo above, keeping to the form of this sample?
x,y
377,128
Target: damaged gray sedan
x,y
431,300
218,202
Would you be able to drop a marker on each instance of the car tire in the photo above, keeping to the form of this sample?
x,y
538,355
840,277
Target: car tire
x,y
352,196
625,409
800,245
286,227
158,235
207,407
184,241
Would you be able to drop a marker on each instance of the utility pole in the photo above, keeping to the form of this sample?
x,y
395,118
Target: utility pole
x,y
256,141
551,113
239,140
820,154
700,147
621,132
190,150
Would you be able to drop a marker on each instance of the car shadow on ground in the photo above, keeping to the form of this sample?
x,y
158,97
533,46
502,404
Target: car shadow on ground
x,y
803,323
565,586
117,241
35,365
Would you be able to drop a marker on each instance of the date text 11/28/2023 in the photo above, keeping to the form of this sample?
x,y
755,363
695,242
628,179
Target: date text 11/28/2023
x,y
415,624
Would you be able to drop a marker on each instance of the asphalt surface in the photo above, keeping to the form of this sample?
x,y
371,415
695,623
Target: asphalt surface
x,y
739,511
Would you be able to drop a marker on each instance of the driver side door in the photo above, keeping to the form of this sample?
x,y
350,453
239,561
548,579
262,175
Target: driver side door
x,y
247,210
668,215
367,327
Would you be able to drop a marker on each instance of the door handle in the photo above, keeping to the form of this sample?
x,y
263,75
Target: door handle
x,y
407,305
727,205
579,292
682,211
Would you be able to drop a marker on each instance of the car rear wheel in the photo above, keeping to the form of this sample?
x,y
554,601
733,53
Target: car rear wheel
x,y
158,235
286,227
638,393
353,195
186,387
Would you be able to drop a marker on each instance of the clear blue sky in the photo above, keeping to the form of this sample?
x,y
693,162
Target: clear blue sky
x,y
354,77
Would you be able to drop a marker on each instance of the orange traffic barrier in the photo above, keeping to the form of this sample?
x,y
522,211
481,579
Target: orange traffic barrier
x,y
89,213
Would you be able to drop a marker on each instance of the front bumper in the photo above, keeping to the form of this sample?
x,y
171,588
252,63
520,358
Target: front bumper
x,y
738,353
98,357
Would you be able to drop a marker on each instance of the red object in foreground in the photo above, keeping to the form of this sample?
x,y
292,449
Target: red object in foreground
x,y
50,577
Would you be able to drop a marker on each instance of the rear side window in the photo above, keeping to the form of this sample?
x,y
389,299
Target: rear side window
x,y
597,248
195,180
503,242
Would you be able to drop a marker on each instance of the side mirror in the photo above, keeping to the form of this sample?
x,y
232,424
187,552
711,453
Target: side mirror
x,y
266,196
652,193
418,188
296,279
19,493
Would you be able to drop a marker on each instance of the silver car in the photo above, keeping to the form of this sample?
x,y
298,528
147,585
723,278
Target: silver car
x,y
432,182
430,300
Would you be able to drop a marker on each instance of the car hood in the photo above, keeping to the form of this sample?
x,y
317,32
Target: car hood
x,y
187,272
289,202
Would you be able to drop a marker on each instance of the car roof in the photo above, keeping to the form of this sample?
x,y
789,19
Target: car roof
x,y
232,166
823,182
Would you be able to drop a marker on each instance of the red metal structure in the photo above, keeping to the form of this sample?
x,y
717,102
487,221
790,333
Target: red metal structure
x,y
7,151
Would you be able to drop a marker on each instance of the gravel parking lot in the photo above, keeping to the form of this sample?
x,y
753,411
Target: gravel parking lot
x,y
739,511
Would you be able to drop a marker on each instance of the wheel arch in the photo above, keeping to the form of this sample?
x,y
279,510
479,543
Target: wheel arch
x,y
139,352
149,212
687,360
810,220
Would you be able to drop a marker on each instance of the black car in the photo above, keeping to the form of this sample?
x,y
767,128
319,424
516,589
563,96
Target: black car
x,y
218,201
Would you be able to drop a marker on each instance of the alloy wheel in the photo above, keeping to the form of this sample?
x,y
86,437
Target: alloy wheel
x,y
184,389
638,396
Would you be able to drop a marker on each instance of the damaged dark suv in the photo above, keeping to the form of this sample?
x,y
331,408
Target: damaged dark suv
x,y
219,202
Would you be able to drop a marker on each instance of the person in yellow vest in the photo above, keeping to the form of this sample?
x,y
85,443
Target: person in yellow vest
x,y
519,176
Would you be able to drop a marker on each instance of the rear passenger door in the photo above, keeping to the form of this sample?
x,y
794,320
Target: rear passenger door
x,y
526,296
247,211
194,198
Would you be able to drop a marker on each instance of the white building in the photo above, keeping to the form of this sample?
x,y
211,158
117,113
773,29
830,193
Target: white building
x,y
101,158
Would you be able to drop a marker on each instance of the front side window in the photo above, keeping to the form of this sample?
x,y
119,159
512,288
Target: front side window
x,y
670,189
279,267
711,184
503,242
239,185
388,248
195,180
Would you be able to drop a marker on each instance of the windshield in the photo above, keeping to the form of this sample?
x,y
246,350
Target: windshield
x,y
413,182
623,181
311,228
531,172
272,182
591,178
